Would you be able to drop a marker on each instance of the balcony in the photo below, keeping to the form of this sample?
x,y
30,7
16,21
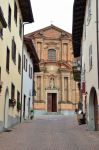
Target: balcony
x,y
77,70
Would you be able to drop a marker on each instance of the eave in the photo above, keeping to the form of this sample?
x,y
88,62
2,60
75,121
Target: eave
x,y
31,49
26,10
77,29
2,19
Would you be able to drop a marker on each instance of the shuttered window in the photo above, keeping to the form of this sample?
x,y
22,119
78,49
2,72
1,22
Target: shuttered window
x,y
13,51
90,57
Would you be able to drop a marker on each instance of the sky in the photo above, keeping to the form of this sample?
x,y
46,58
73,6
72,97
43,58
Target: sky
x,y
47,12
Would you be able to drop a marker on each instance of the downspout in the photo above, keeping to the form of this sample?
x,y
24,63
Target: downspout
x,y
97,39
61,75
33,90
22,80
22,76
81,98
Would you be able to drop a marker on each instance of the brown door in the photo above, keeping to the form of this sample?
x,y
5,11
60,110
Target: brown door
x,y
49,102
52,102
95,111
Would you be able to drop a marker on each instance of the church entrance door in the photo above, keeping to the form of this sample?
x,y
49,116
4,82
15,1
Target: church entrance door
x,y
52,102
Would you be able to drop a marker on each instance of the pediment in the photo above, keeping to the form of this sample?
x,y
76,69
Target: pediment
x,y
50,32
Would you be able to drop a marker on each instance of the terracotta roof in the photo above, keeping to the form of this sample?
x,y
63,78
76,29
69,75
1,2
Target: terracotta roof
x,y
26,9
77,29
2,19
33,54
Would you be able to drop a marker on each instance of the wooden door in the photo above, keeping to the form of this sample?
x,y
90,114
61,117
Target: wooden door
x,y
49,102
95,111
54,102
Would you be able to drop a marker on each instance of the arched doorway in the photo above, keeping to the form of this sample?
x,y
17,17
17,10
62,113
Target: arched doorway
x,y
6,108
93,110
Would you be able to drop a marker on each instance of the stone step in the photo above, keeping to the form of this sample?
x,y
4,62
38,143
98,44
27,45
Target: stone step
x,y
53,113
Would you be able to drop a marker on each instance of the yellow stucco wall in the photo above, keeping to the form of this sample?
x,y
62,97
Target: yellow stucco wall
x,y
13,76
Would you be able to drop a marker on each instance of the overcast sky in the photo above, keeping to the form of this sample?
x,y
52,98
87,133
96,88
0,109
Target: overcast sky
x,y
47,12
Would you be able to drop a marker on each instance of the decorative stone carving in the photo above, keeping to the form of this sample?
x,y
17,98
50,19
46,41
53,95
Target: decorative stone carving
x,y
52,83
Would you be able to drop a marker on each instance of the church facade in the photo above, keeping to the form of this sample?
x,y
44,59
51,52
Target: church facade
x,y
55,88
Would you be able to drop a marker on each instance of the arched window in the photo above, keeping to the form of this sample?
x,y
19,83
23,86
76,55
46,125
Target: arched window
x,y
52,54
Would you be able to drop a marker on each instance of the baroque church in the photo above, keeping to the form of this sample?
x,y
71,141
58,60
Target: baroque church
x,y
55,88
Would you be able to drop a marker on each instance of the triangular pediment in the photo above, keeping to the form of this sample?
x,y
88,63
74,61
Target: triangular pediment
x,y
50,32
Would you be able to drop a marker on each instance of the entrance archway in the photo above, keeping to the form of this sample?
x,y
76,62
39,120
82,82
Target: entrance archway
x,y
93,110
6,108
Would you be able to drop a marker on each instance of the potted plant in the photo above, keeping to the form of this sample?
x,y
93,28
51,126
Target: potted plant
x,y
18,105
31,114
12,102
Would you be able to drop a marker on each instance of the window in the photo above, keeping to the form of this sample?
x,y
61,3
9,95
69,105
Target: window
x,y
52,54
24,61
13,51
29,71
89,12
15,12
20,28
19,63
90,57
9,17
1,32
7,59
12,91
18,96
26,65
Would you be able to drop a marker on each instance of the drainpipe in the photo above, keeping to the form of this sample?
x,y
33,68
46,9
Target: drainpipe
x,y
81,99
61,74
22,76
22,79
33,90
97,39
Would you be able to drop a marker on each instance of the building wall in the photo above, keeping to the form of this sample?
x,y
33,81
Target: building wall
x,y
91,75
60,69
13,76
27,84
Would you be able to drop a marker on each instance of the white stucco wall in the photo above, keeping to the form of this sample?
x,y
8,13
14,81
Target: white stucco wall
x,y
27,83
91,76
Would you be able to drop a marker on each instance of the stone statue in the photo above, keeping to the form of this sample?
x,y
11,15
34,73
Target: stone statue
x,y
52,83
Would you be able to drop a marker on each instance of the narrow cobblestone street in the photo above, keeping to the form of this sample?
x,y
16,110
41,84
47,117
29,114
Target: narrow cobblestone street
x,y
50,133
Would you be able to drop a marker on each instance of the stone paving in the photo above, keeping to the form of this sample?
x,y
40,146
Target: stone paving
x,y
50,133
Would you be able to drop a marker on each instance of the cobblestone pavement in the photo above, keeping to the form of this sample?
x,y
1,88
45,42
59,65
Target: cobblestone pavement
x,y
50,133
